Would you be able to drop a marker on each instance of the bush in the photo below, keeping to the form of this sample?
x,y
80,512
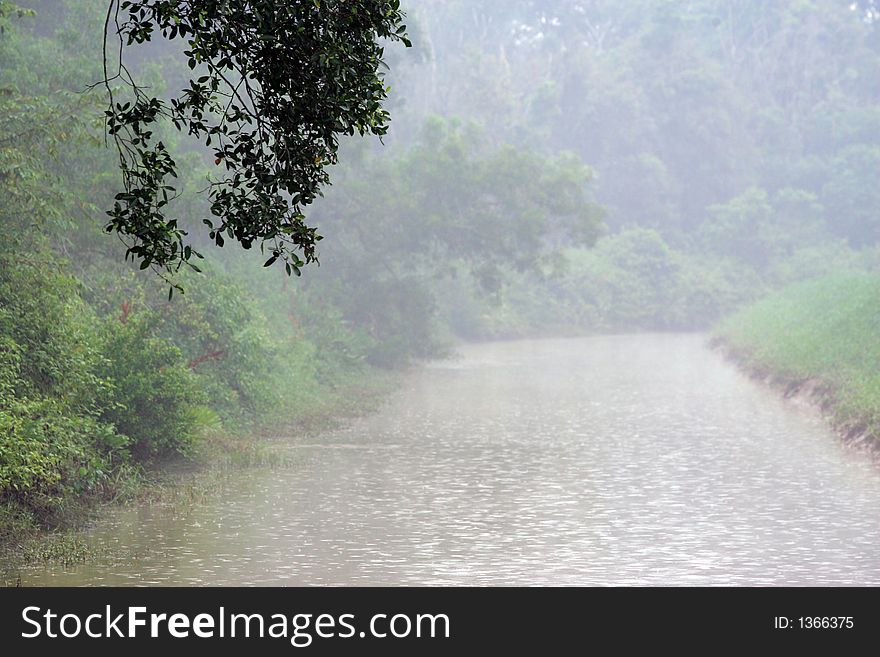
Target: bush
x,y
154,393
630,281
49,453
222,338
41,312
398,315
54,444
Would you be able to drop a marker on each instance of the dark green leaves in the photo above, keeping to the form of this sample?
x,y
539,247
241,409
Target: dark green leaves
x,y
278,83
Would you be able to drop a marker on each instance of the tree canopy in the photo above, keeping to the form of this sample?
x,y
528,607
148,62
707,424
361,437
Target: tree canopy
x,y
274,84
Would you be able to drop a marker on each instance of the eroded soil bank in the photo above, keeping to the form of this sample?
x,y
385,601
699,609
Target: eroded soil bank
x,y
813,394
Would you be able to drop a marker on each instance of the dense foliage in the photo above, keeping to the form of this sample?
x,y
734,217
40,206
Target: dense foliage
x,y
744,134
98,371
274,86
101,371
555,168
447,208
677,106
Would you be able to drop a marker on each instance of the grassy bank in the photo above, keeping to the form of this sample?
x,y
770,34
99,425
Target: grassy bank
x,y
178,483
823,335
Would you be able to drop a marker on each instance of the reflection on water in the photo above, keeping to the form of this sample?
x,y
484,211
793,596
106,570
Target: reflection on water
x,y
607,460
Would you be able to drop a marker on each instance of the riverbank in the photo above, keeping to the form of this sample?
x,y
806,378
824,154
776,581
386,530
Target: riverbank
x,y
818,342
181,482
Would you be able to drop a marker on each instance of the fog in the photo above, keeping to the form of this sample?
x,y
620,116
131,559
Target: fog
x,y
730,149
553,318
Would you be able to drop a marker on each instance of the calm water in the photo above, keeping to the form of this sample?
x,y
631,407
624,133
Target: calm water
x,y
608,460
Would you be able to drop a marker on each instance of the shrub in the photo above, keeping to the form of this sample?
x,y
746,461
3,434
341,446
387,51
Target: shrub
x,y
41,312
53,443
154,392
49,453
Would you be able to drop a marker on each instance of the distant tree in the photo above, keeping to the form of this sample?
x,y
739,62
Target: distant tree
x,y
451,207
852,192
739,228
274,84
452,201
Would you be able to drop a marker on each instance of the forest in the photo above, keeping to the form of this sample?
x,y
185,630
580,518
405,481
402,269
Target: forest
x,y
550,169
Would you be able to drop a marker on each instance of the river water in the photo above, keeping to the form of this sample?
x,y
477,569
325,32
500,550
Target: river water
x,y
604,460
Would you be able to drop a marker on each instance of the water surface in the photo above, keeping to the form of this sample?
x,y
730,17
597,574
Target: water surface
x,y
605,460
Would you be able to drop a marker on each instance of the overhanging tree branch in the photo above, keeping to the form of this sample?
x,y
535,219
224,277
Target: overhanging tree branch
x,y
280,81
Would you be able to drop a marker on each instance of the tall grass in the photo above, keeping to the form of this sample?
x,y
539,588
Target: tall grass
x,y
827,330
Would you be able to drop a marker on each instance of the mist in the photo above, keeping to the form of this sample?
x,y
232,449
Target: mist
x,y
600,307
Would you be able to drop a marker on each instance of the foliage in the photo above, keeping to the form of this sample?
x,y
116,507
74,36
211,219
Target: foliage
x,y
853,192
51,395
278,83
49,453
677,108
54,333
732,147
8,9
154,395
449,206
630,281
245,370
635,280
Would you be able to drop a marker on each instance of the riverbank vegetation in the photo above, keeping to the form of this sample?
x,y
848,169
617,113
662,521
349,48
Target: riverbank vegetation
x,y
821,334
552,168
103,376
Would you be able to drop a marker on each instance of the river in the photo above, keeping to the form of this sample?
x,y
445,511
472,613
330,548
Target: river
x,y
615,460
